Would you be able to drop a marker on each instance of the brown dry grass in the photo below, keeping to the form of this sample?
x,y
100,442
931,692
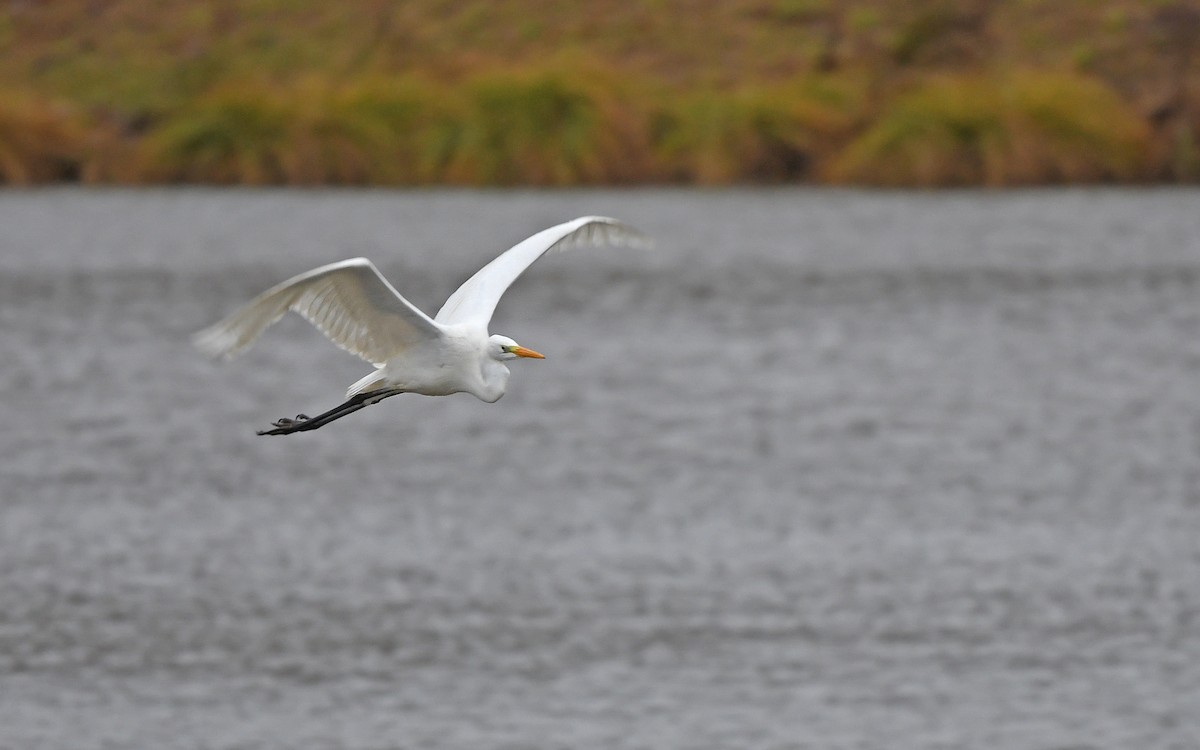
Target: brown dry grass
x,y
538,92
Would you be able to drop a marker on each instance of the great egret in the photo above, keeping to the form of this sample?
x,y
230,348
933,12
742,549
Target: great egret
x,y
356,308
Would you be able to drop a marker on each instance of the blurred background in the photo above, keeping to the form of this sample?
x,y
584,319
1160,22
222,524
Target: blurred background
x,y
929,92
833,466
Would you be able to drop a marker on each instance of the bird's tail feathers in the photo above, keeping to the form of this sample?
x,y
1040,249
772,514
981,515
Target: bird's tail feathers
x,y
371,382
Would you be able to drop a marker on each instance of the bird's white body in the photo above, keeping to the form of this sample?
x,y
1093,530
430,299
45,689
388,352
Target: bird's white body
x,y
355,306
457,362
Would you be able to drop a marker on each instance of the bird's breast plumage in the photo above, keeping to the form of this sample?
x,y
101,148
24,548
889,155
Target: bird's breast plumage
x,y
455,363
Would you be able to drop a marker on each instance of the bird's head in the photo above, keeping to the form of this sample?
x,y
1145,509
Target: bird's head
x,y
502,348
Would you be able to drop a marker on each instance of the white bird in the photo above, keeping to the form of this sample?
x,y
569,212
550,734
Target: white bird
x,y
357,309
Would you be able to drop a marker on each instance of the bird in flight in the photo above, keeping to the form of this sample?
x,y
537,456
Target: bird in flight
x,y
357,309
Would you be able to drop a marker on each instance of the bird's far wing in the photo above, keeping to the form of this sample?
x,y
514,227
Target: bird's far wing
x,y
350,302
476,299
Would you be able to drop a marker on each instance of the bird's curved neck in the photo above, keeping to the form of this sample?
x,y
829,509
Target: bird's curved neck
x,y
493,380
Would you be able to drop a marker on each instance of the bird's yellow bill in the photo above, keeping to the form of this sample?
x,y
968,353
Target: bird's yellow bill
x,y
521,351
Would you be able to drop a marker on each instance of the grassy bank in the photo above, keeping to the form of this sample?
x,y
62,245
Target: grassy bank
x,y
534,92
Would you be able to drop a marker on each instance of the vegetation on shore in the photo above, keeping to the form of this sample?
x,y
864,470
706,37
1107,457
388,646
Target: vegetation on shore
x,y
929,93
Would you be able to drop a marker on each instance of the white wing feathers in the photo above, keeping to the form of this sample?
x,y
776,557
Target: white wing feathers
x,y
476,300
350,302
353,305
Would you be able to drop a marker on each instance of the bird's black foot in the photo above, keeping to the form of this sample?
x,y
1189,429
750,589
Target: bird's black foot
x,y
303,422
287,425
289,422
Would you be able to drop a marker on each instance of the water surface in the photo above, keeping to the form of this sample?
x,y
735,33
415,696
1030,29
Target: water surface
x,y
824,470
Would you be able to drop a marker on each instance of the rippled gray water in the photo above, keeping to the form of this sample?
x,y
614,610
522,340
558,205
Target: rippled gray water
x,y
823,470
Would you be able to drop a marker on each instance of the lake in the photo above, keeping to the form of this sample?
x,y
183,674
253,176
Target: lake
x,y
823,469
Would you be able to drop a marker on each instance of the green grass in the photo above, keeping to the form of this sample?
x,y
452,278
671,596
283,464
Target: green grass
x,y
537,92
771,134
241,136
537,129
1010,129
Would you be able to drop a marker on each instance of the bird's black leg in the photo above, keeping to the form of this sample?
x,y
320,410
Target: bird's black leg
x,y
286,426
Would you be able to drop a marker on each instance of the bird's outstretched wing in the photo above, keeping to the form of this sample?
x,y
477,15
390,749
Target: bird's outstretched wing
x,y
476,299
350,302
